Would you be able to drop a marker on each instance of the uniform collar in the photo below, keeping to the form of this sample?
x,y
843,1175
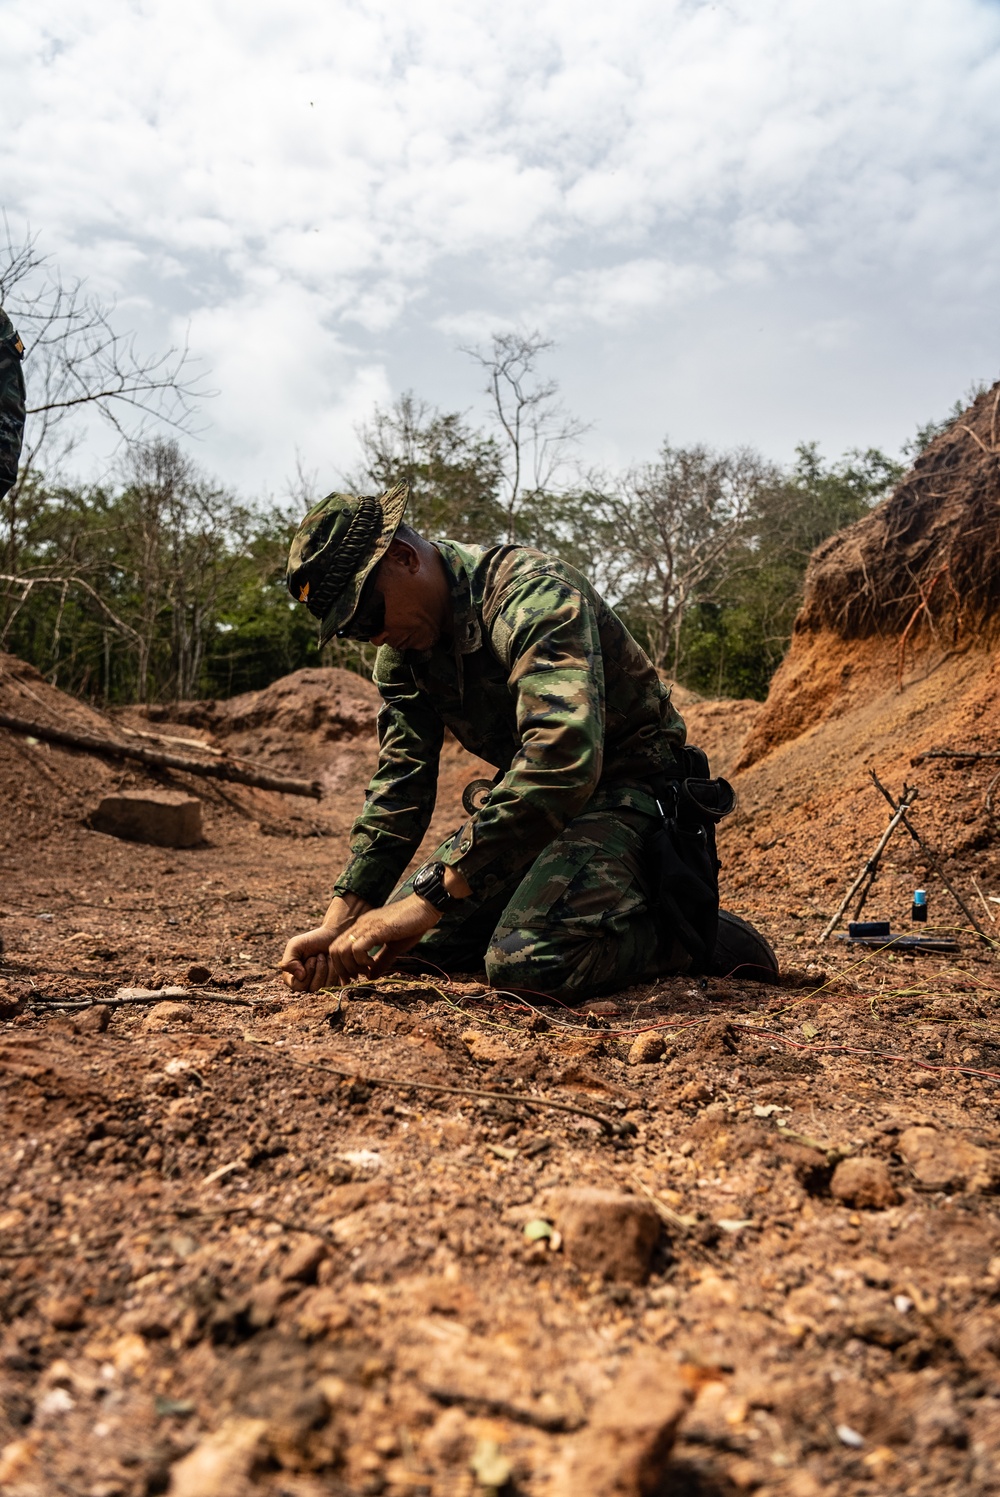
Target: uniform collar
x,y
459,563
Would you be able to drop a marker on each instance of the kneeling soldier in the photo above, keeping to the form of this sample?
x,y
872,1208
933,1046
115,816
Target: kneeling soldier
x,y
548,883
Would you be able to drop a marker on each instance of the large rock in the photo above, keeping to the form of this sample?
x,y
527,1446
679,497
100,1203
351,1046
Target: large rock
x,y
607,1232
165,818
943,1161
624,1450
863,1181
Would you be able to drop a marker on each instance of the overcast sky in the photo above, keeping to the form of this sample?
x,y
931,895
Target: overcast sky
x,y
750,221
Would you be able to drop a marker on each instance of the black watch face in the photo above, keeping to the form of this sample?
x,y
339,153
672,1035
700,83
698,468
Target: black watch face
x,y
429,884
428,880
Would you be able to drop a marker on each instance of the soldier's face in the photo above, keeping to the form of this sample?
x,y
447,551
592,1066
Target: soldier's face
x,y
414,588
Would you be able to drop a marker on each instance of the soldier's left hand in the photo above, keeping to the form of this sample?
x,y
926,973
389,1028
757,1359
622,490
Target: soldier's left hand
x,y
375,942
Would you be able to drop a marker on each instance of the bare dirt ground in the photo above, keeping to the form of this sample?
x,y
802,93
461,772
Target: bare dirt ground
x,y
241,1252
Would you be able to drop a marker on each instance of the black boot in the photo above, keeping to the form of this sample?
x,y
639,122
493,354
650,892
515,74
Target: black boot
x,y
741,951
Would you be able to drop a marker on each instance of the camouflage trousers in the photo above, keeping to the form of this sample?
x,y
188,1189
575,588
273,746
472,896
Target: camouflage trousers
x,y
576,924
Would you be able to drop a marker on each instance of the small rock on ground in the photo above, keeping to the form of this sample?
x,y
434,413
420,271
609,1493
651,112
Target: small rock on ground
x,y
487,1047
943,1161
63,1312
624,1450
221,1465
167,1015
645,1049
607,1232
863,1182
303,1261
92,1020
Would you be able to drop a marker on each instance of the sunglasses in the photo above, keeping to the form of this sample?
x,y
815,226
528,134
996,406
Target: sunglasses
x,y
368,619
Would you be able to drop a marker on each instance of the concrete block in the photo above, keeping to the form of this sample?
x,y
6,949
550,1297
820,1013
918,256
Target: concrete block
x,y
166,818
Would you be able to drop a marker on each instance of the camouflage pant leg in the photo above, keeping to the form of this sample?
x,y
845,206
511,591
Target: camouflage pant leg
x,y
580,922
576,924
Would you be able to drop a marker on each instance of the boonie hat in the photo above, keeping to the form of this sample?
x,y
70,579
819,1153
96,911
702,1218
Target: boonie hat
x,y
335,549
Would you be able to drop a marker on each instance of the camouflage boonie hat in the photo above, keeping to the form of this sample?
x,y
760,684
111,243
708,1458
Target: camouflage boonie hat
x,y
335,549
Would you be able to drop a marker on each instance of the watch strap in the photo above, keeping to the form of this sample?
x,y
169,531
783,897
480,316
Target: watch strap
x,y
428,883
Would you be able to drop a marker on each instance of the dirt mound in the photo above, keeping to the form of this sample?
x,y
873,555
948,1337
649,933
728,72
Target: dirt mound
x,y
328,702
24,692
931,546
41,786
316,722
900,596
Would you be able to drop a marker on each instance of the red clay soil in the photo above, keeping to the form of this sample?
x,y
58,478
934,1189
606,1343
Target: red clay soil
x,y
227,1270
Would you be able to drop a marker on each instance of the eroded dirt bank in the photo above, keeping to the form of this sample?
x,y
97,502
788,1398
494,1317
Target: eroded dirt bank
x,y
228,1270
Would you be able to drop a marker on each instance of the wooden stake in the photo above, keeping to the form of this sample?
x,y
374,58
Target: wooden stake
x,y
903,806
870,869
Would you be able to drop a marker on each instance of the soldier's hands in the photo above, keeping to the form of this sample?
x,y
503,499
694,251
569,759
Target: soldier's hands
x,y
374,943
306,961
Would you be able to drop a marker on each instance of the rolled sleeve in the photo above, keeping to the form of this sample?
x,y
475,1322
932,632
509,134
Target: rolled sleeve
x,y
400,799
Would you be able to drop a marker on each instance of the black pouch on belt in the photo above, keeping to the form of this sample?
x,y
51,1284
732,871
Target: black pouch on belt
x,y
683,863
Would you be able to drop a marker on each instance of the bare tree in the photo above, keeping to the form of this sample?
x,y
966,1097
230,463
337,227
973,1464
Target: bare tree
x,y
538,433
679,527
180,536
76,361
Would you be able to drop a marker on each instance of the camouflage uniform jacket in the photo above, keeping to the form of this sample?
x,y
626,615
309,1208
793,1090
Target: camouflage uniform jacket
x,y
540,679
11,403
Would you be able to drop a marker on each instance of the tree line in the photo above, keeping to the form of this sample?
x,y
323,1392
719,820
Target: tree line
x,y
163,584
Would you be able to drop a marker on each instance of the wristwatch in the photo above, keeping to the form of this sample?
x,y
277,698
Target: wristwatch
x,y
428,882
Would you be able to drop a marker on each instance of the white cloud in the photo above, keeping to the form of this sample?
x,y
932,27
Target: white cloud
x,y
373,176
288,388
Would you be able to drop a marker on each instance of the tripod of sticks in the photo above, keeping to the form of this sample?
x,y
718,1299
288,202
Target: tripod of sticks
x,y
862,885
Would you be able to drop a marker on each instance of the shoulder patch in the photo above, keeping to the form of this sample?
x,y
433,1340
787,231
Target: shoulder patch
x,y
501,634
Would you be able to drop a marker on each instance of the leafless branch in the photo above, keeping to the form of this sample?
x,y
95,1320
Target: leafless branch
x,y
76,359
538,432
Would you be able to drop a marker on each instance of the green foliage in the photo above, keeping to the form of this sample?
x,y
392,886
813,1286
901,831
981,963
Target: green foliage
x,y
453,471
924,435
736,633
165,586
674,530
259,633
